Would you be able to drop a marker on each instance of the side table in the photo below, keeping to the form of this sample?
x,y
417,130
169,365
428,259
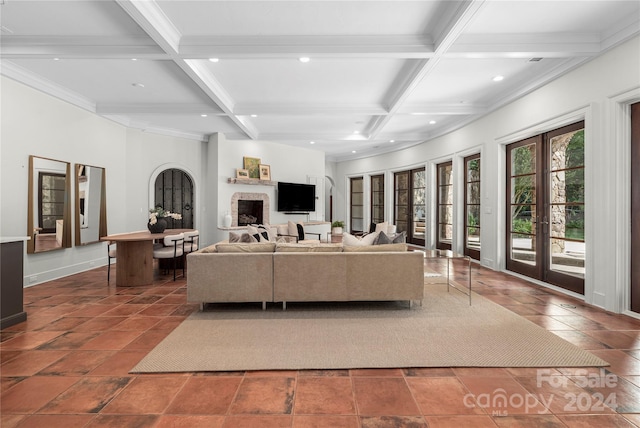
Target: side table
x,y
450,255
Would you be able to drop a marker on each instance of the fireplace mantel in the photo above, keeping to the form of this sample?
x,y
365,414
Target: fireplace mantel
x,y
255,181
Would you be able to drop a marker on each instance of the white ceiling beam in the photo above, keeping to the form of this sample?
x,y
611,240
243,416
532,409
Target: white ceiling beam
x,y
150,17
449,33
158,108
310,109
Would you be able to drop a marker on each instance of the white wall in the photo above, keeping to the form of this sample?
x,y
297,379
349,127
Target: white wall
x,y
33,123
585,93
289,164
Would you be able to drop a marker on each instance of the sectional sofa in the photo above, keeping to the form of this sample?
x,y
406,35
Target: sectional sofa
x,y
270,272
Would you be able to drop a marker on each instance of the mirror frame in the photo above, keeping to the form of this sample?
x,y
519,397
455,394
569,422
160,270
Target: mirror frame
x,y
66,210
102,215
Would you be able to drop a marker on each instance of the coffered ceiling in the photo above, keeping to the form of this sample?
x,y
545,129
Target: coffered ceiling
x,y
381,75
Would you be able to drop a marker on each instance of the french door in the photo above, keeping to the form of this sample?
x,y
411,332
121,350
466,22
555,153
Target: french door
x,y
635,207
409,201
356,198
472,206
174,192
545,207
444,209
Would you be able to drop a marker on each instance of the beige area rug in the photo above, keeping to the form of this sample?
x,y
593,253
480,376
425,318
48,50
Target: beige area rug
x,y
444,332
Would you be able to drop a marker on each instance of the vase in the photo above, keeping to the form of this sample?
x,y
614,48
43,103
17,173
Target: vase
x,y
227,219
159,227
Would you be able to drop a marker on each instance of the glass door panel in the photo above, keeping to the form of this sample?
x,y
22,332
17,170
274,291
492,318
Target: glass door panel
x,y
472,206
409,200
357,205
445,206
418,202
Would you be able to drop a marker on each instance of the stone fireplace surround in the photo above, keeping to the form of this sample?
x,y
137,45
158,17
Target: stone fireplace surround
x,y
266,206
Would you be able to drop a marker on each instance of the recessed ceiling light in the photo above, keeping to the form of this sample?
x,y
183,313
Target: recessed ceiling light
x,y
134,59
138,85
353,151
356,132
56,59
312,142
498,78
432,122
214,59
203,115
392,141
254,115
304,59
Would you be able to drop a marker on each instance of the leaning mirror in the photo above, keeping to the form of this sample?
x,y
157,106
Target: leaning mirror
x,y
91,209
49,208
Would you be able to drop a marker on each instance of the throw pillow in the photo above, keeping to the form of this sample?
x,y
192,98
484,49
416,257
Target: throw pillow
x,y
292,228
382,227
258,234
349,239
300,231
234,237
382,239
400,238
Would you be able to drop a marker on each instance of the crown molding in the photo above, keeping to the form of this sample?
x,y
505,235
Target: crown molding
x,y
26,77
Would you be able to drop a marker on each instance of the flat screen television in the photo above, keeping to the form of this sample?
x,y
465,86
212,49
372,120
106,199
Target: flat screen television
x,y
295,197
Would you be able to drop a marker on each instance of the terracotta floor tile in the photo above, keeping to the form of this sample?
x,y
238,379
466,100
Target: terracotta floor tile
x,y
596,421
77,363
265,395
615,339
383,396
158,310
205,395
530,421
621,362
442,396
502,396
634,418
324,421
119,363
328,373
10,421
144,395
89,395
33,393
169,323
324,395
429,372
65,324
55,421
147,340
377,372
258,421
92,310
470,421
31,363
547,322
70,341
100,324
9,382
481,371
189,421
111,340
30,340
580,339
579,322
393,422
138,323
122,421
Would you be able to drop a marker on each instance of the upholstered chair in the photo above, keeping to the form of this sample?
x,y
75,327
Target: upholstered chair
x,y
171,248
191,241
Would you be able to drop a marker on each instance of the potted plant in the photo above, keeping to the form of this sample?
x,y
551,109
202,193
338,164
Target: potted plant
x,y
336,227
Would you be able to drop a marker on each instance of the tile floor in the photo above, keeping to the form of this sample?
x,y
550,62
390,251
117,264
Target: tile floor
x,y
67,366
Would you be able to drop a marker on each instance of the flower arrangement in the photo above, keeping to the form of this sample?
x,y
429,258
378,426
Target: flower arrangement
x,y
159,212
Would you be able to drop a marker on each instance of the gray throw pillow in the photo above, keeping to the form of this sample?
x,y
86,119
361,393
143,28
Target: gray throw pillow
x,y
400,238
382,239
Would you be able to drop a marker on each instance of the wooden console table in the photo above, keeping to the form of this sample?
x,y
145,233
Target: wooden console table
x,y
134,256
450,255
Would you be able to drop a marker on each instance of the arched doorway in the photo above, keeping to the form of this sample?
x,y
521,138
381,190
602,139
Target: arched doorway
x,y
173,191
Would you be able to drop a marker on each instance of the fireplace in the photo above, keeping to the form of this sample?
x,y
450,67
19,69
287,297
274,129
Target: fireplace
x,y
249,212
249,205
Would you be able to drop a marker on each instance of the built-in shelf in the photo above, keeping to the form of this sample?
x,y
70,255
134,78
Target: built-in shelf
x,y
257,181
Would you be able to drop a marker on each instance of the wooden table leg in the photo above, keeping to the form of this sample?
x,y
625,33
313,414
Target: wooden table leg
x,y
134,263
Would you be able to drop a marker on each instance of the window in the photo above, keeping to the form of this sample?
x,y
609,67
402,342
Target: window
x,y
472,206
357,204
377,198
445,206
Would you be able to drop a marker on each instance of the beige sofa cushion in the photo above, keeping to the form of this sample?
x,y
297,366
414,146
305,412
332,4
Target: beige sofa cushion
x,y
351,240
240,247
374,248
308,248
209,249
